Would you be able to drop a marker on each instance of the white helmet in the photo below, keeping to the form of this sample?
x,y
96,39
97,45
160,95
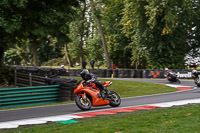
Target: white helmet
x,y
194,71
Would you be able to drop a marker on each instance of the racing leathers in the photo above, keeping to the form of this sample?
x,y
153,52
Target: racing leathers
x,y
91,78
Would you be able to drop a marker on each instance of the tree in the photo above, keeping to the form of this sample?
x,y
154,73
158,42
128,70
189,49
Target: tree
x,y
77,34
119,51
102,34
68,55
12,57
161,28
34,21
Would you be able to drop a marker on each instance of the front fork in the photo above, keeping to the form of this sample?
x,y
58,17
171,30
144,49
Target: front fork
x,y
84,97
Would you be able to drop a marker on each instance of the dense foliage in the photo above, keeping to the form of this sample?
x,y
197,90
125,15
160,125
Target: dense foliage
x,y
6,75
139,33
34,22
163,29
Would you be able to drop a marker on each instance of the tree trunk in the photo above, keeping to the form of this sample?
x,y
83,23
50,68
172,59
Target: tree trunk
x,y
136,65
35,53
82,34
1,55
24,58
102,36
68,56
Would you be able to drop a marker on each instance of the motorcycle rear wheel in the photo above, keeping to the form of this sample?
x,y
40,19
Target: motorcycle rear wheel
x,y
178,81
81,104
198,84
114,99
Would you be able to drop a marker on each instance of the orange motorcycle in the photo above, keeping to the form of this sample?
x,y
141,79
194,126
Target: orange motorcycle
x,y
90,95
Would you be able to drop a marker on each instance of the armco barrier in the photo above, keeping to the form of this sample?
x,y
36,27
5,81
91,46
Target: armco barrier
x,y
131,73
26,96
104,73
47,71
115,73
124,73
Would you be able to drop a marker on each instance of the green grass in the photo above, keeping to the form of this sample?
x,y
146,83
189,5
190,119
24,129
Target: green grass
x,y
180,119
132,88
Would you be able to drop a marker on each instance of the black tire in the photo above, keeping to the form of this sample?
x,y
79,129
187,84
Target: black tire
x,y
66,84
72,96
114,99
64,95
64,92
178,81
65,88
64,99
198,84
79,102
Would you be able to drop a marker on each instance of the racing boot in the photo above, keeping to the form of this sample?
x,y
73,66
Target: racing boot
x,y
107,91
106,94
103,95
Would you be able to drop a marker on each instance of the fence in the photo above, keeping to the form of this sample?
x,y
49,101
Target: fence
x,y
23,79
36,76
26,96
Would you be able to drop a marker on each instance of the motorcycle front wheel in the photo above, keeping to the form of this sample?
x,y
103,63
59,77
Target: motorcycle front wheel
x,y
83,105
114,99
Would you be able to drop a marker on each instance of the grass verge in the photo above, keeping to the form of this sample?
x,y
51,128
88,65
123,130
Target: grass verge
x,y
132,88
178,119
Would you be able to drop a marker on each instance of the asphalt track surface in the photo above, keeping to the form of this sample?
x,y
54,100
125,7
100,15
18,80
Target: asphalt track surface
x,y
44,111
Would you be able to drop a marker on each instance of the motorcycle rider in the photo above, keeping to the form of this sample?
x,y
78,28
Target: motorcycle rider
x,y
171,74
195,74
91,78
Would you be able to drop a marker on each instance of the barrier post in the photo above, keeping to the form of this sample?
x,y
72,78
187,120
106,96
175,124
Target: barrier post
x,y
30,79
15,77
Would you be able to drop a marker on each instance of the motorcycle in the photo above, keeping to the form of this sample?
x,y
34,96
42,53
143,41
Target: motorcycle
x,y
89,95
197,81
172,77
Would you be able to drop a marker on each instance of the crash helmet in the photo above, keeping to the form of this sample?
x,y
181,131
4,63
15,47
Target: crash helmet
x,y
84,73
194,71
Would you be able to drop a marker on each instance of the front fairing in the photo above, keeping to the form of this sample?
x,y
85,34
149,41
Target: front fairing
x,y
78,88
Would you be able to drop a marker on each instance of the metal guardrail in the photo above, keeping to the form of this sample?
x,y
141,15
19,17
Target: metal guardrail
x,y
26,96
131,73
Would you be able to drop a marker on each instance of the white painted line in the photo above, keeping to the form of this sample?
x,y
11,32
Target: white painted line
x,y
176,103
40,120
55,118
29,122
171,85
8,125
60,117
